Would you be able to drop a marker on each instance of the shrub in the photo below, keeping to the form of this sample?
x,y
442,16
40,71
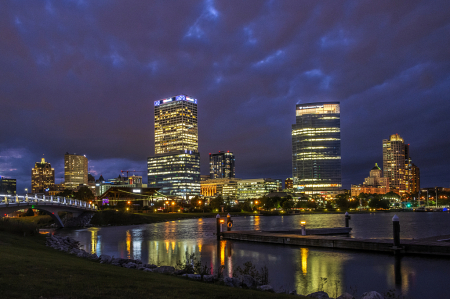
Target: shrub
x,y
18,227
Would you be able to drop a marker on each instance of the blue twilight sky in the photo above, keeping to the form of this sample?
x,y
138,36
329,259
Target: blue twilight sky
x,y
81,77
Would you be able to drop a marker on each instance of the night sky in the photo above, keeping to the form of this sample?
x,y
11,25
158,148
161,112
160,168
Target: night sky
x,y
81,77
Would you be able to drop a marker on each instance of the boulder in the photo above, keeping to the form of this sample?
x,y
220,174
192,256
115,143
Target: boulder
x,y
208,278
372,295
265,288
319,295
165,270
179,272
148,270
232,282
346,296
105,259
150,266
248,281
129,265
93,256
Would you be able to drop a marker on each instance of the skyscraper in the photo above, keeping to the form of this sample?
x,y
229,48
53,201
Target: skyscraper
x,y
316,148
398,168
221,165
42,176
7,186
176,124
175,167
75,170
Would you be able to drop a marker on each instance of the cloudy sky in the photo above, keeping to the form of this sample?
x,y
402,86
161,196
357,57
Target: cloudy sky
x,y
81,77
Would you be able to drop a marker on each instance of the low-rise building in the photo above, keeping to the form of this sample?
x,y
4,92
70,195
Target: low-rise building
x,y
256,188
227,188
374,184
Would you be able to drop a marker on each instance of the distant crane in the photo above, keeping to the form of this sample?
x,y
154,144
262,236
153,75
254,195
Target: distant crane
x,y
122,171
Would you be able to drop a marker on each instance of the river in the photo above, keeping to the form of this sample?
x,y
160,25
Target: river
x,y
305,270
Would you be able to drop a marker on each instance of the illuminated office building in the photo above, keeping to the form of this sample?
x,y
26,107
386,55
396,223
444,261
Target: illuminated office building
x,y
227,188
176,124
176,173
316,148
221,165
256,188
75,170
42,177
175,167
8,186
403,175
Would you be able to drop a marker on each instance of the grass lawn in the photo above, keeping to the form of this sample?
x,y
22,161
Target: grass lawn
x,y
29,269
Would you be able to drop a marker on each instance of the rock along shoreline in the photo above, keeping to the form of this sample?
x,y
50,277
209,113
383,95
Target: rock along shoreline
x,y
72,246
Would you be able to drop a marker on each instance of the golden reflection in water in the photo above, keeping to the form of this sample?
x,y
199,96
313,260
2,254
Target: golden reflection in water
x,y
199,247
223,245
230,263
257,221
319,271
167,246
173,246
128,241
304,254
94,239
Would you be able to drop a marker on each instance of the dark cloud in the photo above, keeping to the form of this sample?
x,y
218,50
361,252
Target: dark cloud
x,y
81,76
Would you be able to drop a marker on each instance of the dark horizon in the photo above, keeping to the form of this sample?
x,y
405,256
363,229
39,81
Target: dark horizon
x,y
82,77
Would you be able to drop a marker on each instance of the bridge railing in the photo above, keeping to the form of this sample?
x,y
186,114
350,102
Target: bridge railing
x,y
8,199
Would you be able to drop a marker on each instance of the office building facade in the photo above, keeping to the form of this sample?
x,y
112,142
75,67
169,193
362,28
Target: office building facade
x,y
227,188
316,148
42,177
176,124
8,186
256,188
175,167
221,165
176,173
75,170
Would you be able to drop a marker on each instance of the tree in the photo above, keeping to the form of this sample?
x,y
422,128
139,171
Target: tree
x,y
85,194
342,201
216,202
267,203
287,205
66,193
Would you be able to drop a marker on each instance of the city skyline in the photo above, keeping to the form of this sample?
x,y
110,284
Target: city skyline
x,y
89,88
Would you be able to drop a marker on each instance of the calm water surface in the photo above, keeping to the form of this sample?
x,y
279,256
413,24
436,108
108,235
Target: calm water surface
x,y
290,267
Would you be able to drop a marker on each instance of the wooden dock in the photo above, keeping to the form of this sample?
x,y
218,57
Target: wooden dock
x,y
437,246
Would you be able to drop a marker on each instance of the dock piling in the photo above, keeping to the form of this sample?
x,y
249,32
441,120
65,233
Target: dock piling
x,y
347,219
396,227
229,222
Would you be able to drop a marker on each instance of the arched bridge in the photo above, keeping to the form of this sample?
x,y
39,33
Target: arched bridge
x,y
49,204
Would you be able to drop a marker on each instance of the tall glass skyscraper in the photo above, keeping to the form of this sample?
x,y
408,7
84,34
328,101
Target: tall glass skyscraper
x,y
221,165
316,148
175,167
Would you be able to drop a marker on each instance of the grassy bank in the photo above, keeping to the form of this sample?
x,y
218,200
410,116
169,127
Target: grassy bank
x,y
31,270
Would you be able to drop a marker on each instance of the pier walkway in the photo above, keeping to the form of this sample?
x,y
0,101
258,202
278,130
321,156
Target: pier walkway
x,y
438,246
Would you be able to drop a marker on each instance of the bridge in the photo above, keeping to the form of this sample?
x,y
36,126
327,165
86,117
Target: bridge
x,y
48,204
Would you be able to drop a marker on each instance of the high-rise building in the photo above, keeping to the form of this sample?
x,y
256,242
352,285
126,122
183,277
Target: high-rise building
x,y
75,170
316,148
176,124
403,175
42,177
288,183
175,167
7,186
221,165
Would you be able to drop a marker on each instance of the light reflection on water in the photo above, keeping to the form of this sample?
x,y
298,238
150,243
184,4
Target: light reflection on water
x,y
304,269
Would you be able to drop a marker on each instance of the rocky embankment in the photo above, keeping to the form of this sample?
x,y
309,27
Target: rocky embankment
x,y
72,246
81,221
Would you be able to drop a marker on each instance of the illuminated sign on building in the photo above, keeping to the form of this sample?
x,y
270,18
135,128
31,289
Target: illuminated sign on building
x,y
310,107
180,97
136,191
